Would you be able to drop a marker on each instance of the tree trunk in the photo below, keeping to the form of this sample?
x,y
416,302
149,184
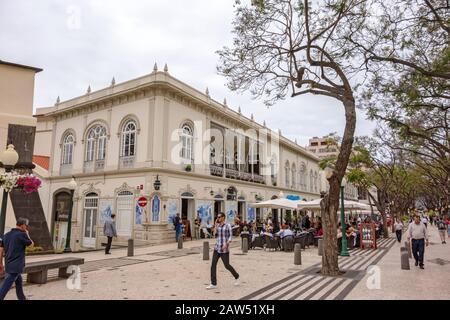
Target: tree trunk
x,y
330,203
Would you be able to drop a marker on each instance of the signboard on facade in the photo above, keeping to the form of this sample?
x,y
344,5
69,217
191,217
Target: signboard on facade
x,y
142,201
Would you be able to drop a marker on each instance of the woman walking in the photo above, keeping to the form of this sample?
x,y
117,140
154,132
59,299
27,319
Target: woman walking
x,y
398,229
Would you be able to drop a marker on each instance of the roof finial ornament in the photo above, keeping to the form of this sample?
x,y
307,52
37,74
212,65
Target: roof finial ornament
x,y
57,101
113,82
264,123
251,117
166,68
279,132
296,141
225,102
155,67
239,109
207,91
88,89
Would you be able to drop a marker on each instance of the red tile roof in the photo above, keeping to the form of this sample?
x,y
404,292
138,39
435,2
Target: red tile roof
x,y
42,161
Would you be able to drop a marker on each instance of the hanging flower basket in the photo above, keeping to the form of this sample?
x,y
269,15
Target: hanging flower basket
x,y
26,182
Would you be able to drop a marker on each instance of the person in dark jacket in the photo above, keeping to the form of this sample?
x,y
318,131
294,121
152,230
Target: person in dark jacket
x,y
12,246
110,231
178,226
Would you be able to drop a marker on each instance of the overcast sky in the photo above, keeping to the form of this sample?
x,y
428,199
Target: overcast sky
x,y
87,42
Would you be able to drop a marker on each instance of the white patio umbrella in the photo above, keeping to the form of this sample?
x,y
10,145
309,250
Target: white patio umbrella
x,y
280,203
315,205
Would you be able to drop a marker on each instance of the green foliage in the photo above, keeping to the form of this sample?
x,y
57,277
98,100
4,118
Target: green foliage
x,y
33,249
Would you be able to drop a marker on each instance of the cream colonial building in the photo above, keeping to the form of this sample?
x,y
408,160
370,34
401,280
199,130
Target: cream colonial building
x,y
119,140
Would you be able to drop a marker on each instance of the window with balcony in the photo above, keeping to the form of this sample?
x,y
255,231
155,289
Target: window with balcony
x,y
95,149
128,144
287,173
187,144
68,144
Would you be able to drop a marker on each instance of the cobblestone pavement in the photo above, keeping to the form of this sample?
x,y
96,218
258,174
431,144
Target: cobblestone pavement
x,y
165,272
309,284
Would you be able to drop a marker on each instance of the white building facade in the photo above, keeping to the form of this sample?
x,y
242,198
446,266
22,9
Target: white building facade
x,y
118,141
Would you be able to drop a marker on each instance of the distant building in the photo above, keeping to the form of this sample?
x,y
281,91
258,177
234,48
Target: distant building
x,y
319,147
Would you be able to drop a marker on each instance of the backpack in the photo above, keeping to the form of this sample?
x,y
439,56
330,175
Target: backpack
x,y
441,225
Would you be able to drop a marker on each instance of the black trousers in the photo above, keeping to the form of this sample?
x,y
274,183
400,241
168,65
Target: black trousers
x,y
226,261
399,235
108,245
418,249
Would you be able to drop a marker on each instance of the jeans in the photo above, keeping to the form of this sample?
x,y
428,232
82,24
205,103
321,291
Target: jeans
x,y
177,232
108,245
399,235
226,261
7,284
418,249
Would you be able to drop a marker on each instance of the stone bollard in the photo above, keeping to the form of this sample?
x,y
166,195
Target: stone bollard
x,y
297,254
320,245
180,241
404,258
408,247
205,250
244,245
130,248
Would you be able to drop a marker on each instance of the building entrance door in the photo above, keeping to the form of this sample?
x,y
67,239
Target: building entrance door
x,y
187,216
125,206
218,207
90,220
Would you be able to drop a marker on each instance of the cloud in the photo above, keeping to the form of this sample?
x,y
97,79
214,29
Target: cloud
x,y
81,43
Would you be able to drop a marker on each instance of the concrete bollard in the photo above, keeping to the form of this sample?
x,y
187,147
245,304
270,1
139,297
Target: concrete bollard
x,y
408,247
180,241
404,258
244,245
130,248
297,254
320,245
205,250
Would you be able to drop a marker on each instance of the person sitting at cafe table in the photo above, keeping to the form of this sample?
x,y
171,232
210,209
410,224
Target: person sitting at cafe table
x,y
319,230
285,233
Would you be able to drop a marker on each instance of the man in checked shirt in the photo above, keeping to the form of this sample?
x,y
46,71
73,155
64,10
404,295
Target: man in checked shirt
x,y
222,250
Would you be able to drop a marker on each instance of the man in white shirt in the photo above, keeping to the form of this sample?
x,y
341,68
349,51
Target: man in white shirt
x,y
418,234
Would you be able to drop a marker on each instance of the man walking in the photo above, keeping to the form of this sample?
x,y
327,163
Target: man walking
x,y
13,247
109,230
223,232
442,228
419,234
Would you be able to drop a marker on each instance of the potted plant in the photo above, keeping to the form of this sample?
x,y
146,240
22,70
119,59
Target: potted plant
x,y
188,168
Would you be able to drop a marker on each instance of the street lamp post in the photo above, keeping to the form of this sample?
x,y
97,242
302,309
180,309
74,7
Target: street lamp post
x,y
344,251
72,186
9,159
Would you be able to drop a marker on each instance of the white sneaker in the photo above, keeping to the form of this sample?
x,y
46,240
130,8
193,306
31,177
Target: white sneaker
x,y
211,286
237,282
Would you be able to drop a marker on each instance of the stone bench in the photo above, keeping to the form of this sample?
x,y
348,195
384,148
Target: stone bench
x,y
37,271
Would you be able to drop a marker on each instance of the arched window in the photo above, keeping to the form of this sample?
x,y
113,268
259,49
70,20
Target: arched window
x,y
311,180
187,143
128,143
90,146
316,182
287,170
67,153
302,176
294,173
